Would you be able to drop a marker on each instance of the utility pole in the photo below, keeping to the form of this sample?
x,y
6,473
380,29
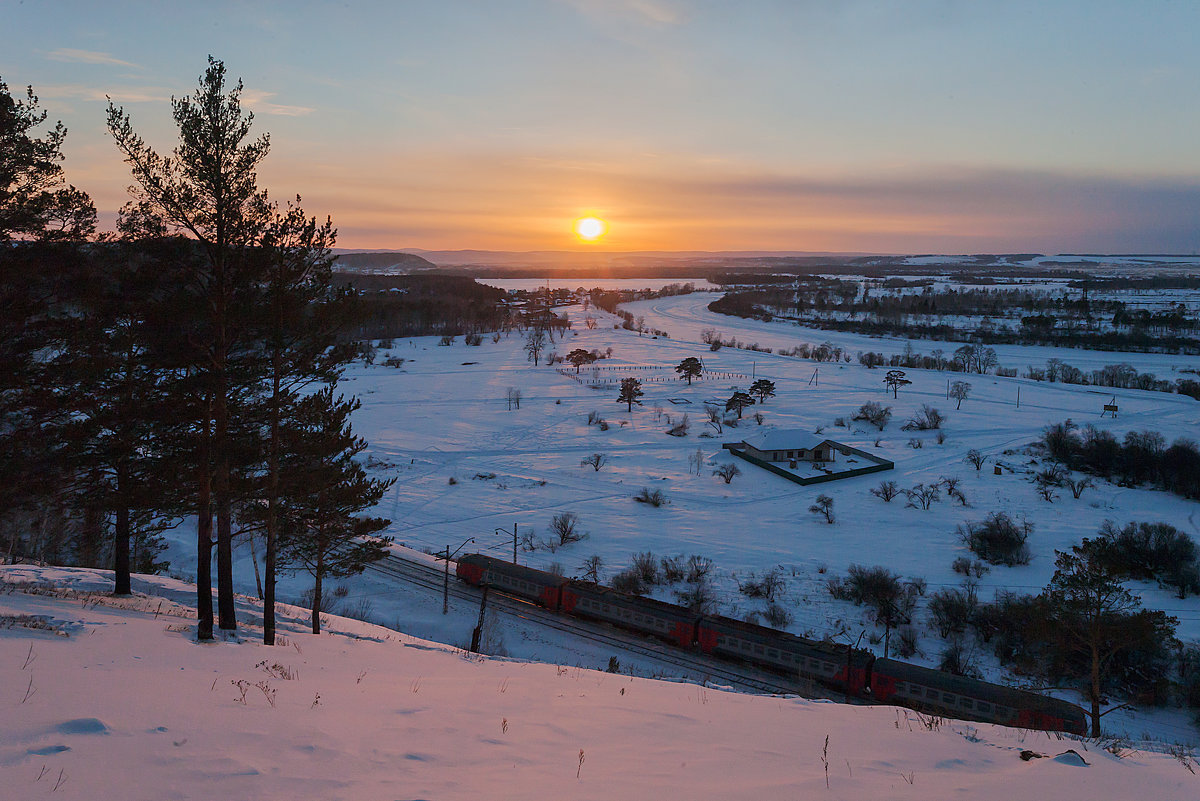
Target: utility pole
x,y
514,536
478,632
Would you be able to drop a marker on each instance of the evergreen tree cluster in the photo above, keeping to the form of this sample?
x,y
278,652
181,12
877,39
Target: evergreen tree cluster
x,y
184,366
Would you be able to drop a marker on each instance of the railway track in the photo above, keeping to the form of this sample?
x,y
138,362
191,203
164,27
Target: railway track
x,y
718,671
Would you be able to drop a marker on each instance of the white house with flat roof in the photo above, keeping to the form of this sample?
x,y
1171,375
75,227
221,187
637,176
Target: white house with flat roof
x,y
790,444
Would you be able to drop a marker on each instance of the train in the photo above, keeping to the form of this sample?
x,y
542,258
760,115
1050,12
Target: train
x,y
852,671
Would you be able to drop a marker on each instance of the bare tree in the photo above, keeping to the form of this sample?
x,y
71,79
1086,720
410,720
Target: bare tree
x,y
976,458
714,417
564,529
923,496
513,396
595,461
727,472
886,491
959,390
592,567
823,506
535,343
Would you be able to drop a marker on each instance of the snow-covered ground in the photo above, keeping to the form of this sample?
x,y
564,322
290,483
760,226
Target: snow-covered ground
x,y
469,467
685,316
113,699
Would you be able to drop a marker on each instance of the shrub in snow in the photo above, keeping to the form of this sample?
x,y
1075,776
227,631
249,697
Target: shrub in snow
x,y
766,587
645,565
951,610
699,597
776,616
907,642
698,568
928,419
959,660
874,413
998,539
654,498
969,567
628,581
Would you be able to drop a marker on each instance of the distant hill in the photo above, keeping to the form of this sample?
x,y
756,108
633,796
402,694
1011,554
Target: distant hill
x,y
383,262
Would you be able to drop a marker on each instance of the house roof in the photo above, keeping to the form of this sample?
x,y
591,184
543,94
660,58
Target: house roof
x,y
783,439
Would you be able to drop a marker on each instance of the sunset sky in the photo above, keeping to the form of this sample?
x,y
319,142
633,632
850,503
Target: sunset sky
x,y
915,127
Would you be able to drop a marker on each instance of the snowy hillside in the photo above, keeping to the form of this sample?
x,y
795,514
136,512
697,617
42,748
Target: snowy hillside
x,y
112,698
468,466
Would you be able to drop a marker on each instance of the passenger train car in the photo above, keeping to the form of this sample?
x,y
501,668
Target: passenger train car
x,y
850,670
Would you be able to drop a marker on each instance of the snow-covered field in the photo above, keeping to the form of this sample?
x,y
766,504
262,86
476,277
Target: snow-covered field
x,y
469,467
113,699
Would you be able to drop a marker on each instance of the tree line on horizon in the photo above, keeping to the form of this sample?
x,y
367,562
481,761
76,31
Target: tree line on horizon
x,y
183,366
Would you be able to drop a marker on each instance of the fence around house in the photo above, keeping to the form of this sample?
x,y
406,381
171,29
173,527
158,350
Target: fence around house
x,y
878,465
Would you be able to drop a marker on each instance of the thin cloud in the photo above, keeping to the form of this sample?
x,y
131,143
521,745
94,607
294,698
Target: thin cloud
x,y
88,57
642,12
260,102
126,94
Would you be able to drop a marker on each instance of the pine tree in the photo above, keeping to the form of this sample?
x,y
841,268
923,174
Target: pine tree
x,y
690,368
118,388
34,203
631,390
300,337
763,389
738,401
42,224
208,190
324,490
1092,615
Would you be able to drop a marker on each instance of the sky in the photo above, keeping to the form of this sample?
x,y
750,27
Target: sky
x,y
860,126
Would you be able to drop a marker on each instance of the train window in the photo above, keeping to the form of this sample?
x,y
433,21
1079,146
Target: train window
x,y
758,649
949,699
604,607
814,664
771,652
967,703
931,694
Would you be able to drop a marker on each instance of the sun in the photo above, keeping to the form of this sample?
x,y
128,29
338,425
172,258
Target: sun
x,y
589,229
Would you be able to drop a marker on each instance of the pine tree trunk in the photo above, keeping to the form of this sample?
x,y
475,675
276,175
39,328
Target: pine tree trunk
x,y
121,534
1095,692
272,512
204,600
226,613
316,607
